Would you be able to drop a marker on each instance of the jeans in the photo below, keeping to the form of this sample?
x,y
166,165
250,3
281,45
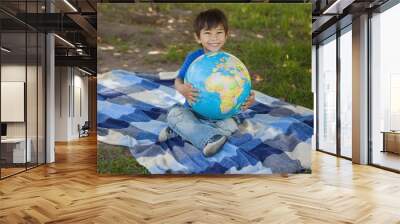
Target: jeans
x,y
196,130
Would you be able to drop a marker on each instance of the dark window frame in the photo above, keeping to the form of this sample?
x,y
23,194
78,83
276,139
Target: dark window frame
x,y
339,32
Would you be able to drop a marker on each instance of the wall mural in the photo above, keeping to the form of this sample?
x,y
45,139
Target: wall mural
x,y
204,89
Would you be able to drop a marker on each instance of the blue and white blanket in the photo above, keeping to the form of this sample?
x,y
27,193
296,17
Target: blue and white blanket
x,y
132,111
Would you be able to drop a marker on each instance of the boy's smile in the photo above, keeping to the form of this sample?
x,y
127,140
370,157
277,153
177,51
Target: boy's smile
x,y
212,39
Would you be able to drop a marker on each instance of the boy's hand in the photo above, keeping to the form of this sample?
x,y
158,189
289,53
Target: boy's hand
x,y
189,92
250,100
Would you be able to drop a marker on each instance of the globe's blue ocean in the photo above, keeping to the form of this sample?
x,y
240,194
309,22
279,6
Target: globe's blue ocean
x,y
223,83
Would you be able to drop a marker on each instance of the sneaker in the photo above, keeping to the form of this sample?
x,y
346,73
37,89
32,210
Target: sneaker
x,y
247,123
248,126
214,144
165,134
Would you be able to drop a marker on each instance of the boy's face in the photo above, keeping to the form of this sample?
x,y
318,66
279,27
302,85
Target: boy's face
x,y
212,39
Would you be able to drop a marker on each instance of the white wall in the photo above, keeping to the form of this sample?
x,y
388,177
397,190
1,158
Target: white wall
x,y
12,101
33,126
61,103
13,73
70,84
81,100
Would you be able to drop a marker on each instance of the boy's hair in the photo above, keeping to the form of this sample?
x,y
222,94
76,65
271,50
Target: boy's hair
x,y
210,19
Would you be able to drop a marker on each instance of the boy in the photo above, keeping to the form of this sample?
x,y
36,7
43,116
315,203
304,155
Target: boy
x,y
211,31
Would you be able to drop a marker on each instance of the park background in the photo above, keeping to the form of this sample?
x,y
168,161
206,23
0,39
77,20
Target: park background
x,y
272,40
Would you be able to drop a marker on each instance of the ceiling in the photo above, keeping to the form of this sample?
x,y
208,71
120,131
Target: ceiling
x,y
330,15
74,21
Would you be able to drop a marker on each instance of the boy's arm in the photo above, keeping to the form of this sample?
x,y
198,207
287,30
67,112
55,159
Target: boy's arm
x,y
249,101
178,84
186,90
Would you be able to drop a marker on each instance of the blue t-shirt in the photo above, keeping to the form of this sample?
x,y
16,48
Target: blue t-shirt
x,y
188,60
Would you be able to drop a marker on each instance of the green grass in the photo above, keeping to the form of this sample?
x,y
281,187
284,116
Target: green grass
x,y
256,17
117,160
120,45
148,30
178,52
285,69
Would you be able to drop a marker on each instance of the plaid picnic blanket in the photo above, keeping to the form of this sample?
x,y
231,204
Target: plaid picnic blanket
x,y
132,110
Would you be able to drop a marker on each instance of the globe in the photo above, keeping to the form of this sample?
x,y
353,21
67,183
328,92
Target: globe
x,y
223,83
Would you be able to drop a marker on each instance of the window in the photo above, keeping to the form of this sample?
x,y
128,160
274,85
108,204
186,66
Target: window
x,y
327,95
385,86
346,92
22,103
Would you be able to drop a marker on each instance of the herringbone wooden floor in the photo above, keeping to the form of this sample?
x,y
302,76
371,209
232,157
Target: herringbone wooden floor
x,y
70,191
